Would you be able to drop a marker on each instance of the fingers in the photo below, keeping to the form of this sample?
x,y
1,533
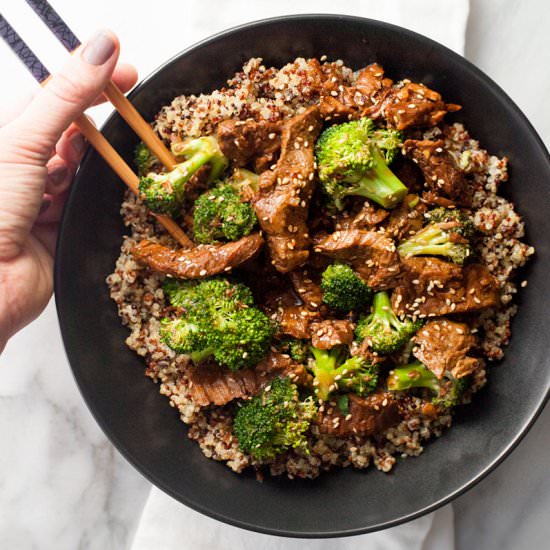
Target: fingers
x,y
51,209
125,76
65,97
27,142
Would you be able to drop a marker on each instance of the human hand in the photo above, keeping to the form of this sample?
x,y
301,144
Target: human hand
x,y
40,150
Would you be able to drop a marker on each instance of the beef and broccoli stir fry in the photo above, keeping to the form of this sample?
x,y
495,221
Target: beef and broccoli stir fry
x,y
340,297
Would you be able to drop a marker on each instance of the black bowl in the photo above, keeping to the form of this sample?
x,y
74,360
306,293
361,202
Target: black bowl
x,y
138,419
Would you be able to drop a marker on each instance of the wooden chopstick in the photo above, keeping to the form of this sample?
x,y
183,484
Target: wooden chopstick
x,y
90,132
121,103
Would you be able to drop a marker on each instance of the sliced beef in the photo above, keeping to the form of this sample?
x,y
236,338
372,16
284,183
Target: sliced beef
x,y
214,385
197,184
292,316
371,254
443,346
339,101
284,195
431,198
406,219
439,167
368,217
368,416
410,105
202,261
371,82
432,287
249,142
330,333
307,287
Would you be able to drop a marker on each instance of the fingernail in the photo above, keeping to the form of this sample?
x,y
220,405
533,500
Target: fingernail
x,y
58,174
78,143
99,48
46,203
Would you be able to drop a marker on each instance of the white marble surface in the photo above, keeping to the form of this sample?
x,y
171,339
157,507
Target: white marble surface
x,y
63,486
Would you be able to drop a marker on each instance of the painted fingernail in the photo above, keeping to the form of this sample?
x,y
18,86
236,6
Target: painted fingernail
x,y
99,48
58,174
46,203
78,143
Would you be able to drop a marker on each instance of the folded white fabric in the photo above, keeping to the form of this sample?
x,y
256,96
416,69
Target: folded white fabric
x,y
167,525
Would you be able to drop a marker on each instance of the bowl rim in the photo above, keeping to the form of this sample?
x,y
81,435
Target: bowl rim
x,y
473,72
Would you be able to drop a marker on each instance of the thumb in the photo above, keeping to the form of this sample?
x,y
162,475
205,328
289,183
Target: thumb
x,y
64,97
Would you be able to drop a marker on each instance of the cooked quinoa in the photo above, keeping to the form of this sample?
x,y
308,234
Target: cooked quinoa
x,y
269,94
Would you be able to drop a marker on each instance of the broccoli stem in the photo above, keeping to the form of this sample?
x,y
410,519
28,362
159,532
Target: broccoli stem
x,y
381,306
183,172
380,184
415,375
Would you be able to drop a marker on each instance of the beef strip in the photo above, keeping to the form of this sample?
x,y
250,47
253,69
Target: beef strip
x,y
368,416
371,82
250,142
292,316
410,105
439,167
342,102
371,254
199,262
432,287
406,219
284,194
367,217
306,285
431,198
443,346
210,384
329,333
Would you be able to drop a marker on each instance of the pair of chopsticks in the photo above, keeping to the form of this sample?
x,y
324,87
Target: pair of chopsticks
x,y
64,34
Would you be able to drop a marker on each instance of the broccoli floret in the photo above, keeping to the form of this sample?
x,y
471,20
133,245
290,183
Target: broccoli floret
x,y
353,159
194,294
447,392
144,159
333,371
164,193
343,289
385,331
296,348
220,321
436,239
183,335
245,182
454,218
221,215
274,421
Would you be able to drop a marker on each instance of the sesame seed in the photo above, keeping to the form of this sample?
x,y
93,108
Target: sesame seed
x,y
202,272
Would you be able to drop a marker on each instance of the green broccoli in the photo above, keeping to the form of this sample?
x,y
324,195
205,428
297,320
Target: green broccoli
x,y
274,421
447,392
454,218
221,215
296,348
343,289
334,371
353,159
190,294
145,160
245,182
437,239
164,193
385,331
219,321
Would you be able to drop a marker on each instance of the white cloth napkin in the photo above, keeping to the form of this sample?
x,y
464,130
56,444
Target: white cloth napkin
x,y
165,523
